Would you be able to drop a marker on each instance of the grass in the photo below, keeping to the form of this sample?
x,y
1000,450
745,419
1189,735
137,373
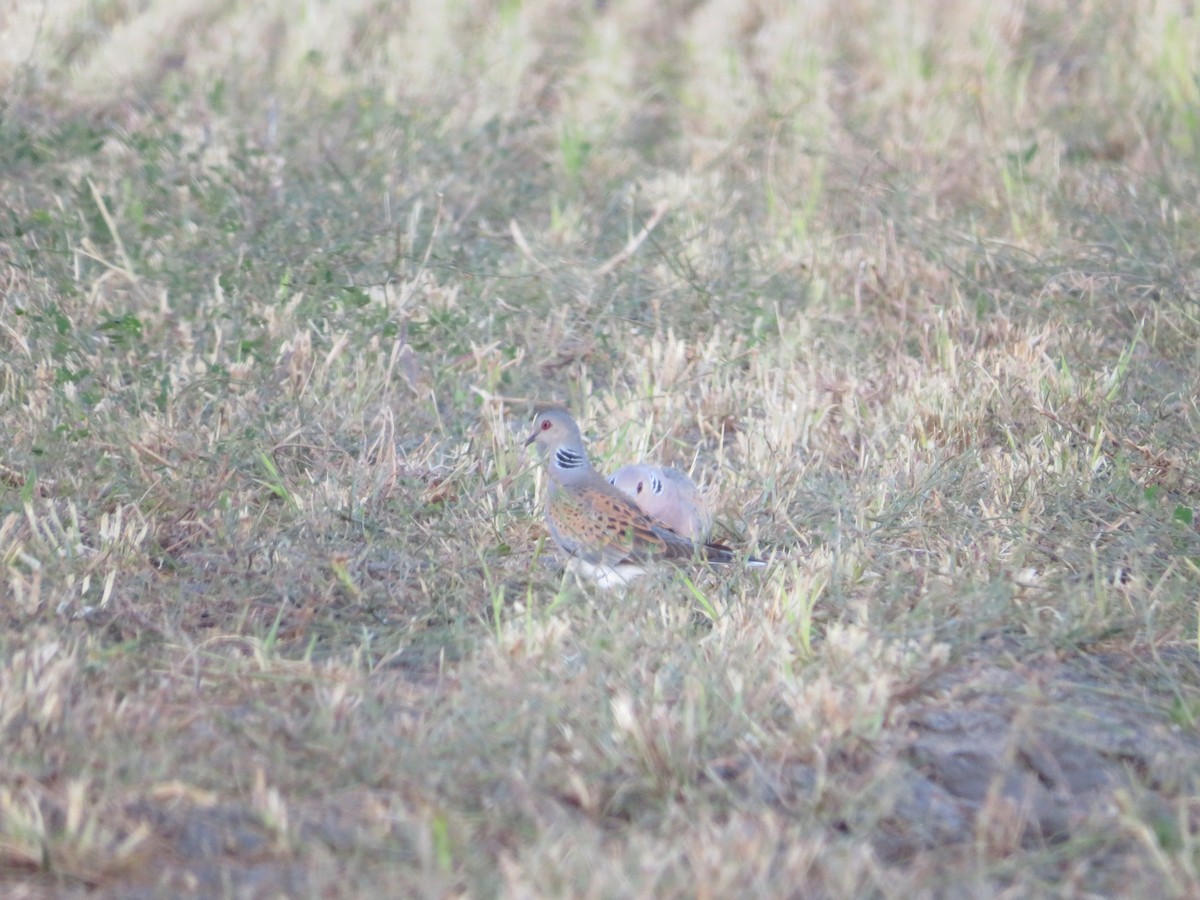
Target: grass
x,y
910,290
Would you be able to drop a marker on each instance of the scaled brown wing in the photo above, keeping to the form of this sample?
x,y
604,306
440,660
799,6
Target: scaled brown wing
x,y
642,537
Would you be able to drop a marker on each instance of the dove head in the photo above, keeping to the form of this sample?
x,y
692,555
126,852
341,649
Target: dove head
x,y
557,436
638,481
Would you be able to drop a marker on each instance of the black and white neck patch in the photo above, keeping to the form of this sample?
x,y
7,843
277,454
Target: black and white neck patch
x,y
566,458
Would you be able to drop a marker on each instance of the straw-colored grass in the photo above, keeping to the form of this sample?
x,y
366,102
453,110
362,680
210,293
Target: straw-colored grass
x,y
909,288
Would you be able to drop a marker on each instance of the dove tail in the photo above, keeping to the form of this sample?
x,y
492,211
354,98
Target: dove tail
x,y
719,553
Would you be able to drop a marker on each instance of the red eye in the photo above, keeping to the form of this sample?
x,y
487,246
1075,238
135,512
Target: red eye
x,y
545,424
639,487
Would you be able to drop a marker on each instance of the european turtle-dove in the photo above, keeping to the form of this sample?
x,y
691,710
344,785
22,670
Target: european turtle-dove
x,y
599,527
668,495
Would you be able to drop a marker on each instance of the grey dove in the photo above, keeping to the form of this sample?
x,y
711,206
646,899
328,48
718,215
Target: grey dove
x,y
668,495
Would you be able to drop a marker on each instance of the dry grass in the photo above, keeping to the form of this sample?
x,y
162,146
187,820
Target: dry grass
x,y
911,288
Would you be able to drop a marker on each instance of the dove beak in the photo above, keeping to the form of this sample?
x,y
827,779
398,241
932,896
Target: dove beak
x,y
529,440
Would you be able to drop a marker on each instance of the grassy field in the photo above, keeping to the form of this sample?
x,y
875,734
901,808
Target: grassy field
x,y
913,290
